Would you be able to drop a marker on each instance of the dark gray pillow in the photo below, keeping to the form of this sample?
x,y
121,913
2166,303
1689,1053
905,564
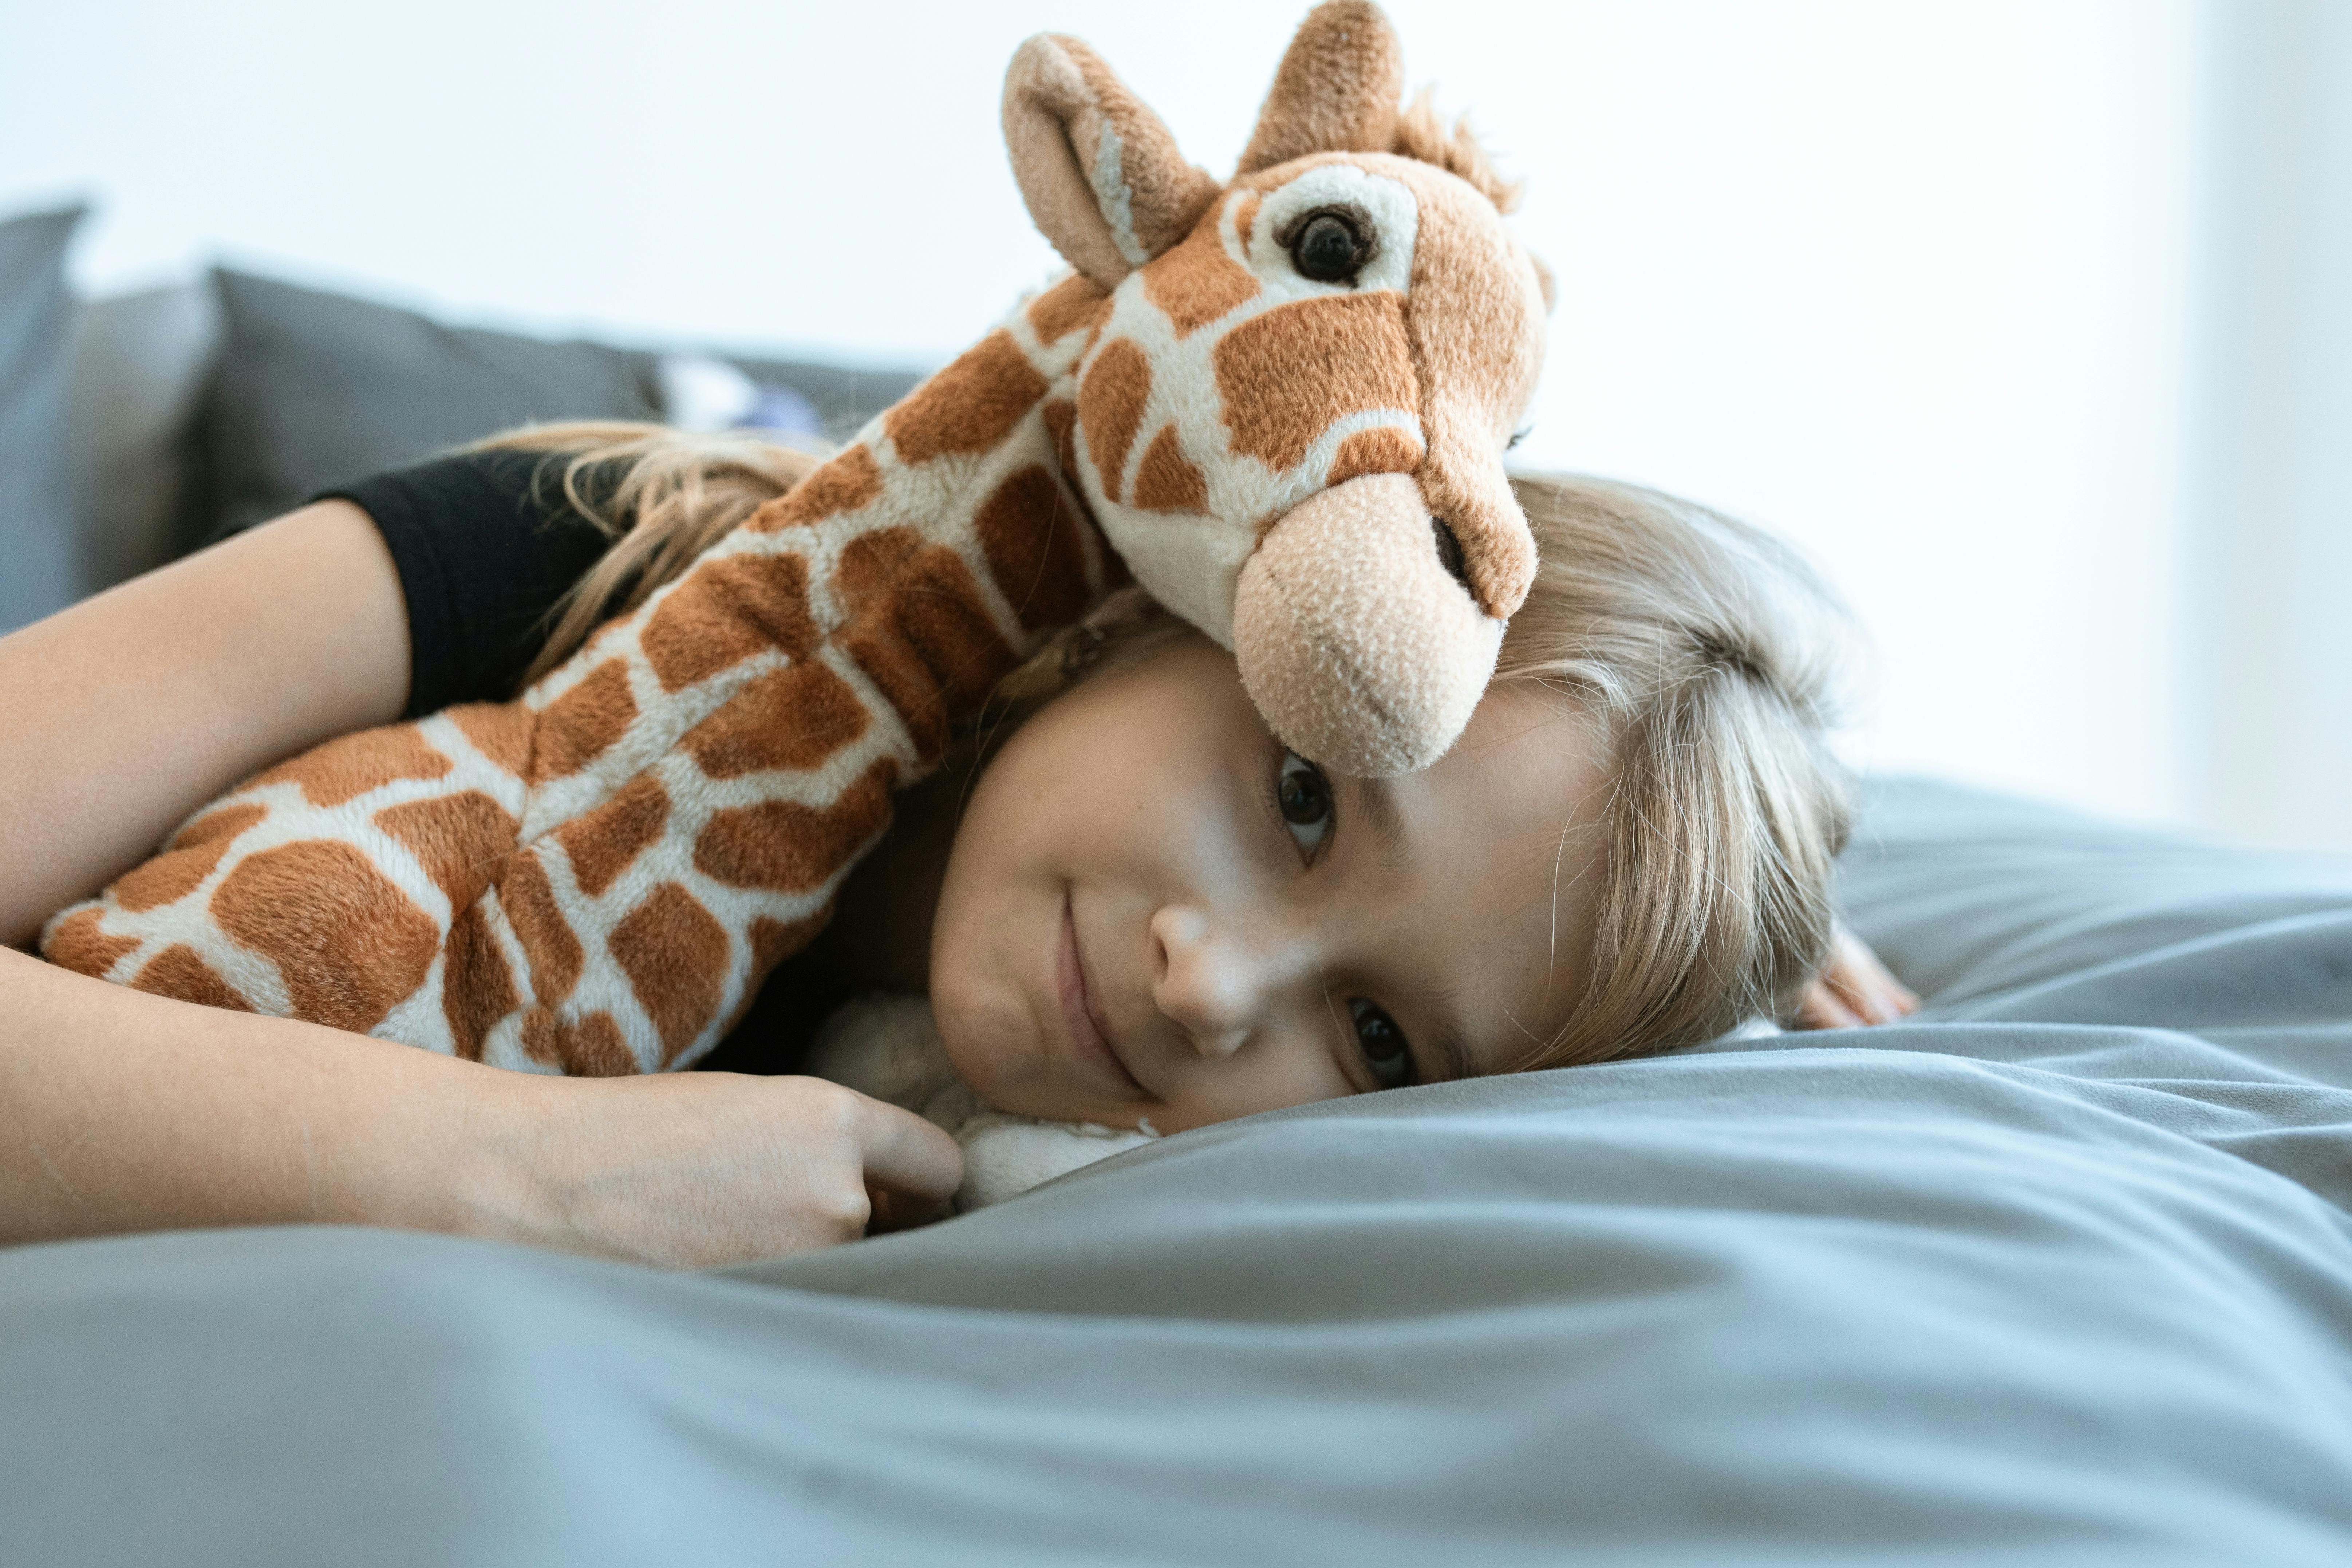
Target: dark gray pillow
x,y
141,363
313,389
37,572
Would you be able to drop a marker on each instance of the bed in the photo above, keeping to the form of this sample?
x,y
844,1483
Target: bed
x,y
2059,1272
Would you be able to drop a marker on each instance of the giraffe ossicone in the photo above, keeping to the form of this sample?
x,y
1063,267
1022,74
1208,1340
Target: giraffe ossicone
x,y
595,877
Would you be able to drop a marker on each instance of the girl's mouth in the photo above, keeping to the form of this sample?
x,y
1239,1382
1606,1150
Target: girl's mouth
x,y
1089,1041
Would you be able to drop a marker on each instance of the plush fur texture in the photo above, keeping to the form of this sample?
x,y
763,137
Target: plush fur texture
x,y
596,876
1100,172
1336,91
888,1047
1328,579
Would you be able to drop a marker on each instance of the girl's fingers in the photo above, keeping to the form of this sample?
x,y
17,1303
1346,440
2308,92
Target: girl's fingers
x,y
1821,1009
1853,990
1859,993
905,1154
1863,984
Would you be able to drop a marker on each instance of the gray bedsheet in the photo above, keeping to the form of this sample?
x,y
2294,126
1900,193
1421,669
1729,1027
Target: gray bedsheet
x,y
2060,1273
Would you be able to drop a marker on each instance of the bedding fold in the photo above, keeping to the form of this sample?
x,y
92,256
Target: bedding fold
x,y
2061,1274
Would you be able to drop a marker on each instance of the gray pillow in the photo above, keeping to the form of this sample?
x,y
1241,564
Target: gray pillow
x,y
140,363
314,389
38,571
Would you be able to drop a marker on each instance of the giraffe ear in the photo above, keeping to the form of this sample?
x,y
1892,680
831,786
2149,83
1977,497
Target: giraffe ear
x,y
1337,89
1101,174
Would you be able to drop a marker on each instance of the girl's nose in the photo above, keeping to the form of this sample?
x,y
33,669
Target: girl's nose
x,y
1215,988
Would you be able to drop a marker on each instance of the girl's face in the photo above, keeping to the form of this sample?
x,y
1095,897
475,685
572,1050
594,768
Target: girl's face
x,y
1153,911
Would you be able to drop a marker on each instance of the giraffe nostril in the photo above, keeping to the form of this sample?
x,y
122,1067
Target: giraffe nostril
x,y
1449,553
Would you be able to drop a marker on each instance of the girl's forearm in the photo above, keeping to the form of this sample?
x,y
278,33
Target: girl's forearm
x,y
125,713
124,1111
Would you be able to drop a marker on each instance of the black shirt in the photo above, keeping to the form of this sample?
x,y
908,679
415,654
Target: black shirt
x,y
485,543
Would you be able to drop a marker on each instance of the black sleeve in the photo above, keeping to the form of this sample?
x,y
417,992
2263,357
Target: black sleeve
x,y
485,543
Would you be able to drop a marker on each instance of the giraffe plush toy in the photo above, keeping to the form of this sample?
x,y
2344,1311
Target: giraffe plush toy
x,y
1280,403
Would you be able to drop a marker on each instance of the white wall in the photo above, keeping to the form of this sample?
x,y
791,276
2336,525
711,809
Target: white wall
x,y
2272,555
1916,283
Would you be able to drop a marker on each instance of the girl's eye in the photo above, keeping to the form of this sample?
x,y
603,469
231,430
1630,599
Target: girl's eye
x,y
1382,1043
1303,796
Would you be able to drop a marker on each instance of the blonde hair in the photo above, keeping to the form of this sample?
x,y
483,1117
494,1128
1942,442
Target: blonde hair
x,y
663,497
1707,653
1713,659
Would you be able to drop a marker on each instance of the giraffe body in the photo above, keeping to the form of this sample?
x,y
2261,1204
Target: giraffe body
x,y
595,877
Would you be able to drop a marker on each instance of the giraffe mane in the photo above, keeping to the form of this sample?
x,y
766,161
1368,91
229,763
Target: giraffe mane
x,y
1421,133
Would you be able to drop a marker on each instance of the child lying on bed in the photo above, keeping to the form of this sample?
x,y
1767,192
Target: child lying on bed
x,y
1129,905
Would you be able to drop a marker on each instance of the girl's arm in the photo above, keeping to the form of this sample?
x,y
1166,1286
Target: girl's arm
x,y
124,1111
128,711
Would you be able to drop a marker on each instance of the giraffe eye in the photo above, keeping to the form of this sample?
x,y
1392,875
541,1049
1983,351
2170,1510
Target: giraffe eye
x,y
1330,247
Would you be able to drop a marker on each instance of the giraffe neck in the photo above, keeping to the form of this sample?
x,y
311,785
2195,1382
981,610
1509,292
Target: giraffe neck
x,y
1001,411
936,551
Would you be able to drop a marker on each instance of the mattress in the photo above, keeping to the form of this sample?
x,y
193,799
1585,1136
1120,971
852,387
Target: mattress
x,y
2060,1271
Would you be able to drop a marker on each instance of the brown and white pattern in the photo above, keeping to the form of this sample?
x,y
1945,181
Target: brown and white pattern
x,y
595,877
594,880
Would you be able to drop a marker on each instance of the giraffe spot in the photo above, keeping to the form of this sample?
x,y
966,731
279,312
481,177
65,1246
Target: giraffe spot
x,y
501,732
221,824
971,406
1075,302
1166,479
78,943
1061,427
606,841
675,954
1383,450
351,766
549,944
457,838
1245,216
178,973
577,727
348,942
592,1046
1197,282
1030,534
792,717
782,846
725,611
1285,375
915,624
195,850
774,941
478,989
1110,407
850,478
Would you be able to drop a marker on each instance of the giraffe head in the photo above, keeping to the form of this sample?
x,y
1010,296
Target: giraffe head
x,y
1293,407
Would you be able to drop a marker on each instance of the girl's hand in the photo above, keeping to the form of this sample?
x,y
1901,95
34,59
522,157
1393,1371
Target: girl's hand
x,y
690,1170
1854,989
122,1112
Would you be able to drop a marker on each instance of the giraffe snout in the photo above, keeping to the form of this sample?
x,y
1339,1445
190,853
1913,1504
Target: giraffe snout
x,y
1357,635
